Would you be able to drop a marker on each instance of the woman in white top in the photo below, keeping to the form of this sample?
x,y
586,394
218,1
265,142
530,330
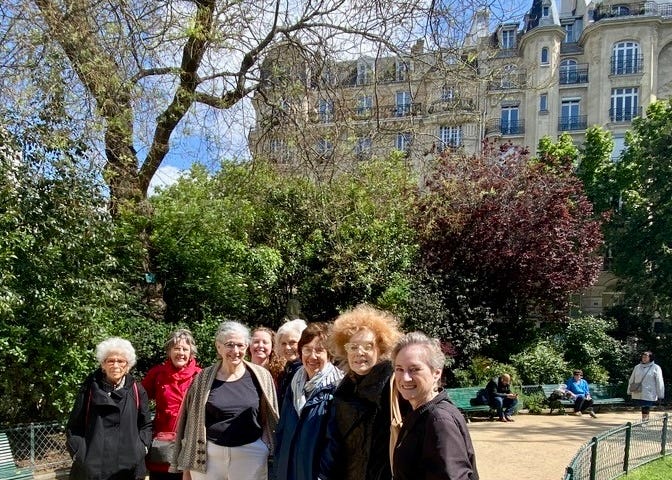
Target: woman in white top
x,y
646,384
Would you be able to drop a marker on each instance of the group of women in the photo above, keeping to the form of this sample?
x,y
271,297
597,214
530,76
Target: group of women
x,y
351,400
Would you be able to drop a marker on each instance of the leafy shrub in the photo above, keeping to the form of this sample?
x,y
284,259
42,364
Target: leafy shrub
x,y
534,402
482,370
541,364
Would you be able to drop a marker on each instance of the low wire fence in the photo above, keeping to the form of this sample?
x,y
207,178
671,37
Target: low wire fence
x,y
39,446
612,454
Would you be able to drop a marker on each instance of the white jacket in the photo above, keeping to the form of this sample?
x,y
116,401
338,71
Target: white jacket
x,y
651,377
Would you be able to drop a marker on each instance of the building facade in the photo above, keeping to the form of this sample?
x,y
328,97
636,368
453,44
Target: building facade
x,y
568,65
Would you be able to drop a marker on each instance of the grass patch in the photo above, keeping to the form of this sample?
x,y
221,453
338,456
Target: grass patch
x,y
656,470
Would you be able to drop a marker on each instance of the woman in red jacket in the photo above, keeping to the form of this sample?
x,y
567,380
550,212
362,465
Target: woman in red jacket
x,y
168,383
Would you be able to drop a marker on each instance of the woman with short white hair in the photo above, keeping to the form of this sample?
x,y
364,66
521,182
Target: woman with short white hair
x,y
110,427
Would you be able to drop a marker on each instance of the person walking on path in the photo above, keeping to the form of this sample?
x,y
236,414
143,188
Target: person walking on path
x,y
646,384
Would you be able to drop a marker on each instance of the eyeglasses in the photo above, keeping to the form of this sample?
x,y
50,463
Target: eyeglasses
x,y
307,351
354,347
233,346
578,375
112,361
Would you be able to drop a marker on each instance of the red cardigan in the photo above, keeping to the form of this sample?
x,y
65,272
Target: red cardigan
x,y
168,386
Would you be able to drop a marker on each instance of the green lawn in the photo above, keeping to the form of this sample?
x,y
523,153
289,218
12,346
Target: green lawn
x,y
657,470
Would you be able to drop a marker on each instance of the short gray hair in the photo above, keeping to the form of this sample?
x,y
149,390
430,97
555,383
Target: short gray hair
x,y
116,345
231,327
177,336
435,356
296,326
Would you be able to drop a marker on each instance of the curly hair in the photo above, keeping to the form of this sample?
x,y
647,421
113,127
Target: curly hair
x,y
384,326
275,364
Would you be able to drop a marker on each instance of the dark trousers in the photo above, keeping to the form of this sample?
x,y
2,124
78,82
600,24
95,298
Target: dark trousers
x,y
504,406
581,403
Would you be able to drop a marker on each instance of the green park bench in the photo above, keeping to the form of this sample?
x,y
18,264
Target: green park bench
x,y
603,395
8,468
461,398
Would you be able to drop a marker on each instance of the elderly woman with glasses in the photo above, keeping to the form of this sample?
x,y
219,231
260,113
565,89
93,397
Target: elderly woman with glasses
x,y
303,419
110,428
358,432
225,429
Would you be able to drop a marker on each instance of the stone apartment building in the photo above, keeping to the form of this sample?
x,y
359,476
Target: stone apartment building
x,y
567,65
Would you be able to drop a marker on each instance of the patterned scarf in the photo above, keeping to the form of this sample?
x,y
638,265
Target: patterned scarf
x,y
302,388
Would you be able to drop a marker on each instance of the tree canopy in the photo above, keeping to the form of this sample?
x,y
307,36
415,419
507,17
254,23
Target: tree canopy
x,y
521,228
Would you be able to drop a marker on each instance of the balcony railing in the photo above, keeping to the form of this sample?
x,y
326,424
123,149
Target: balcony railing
x,y
624,114
574,75
404,109
451,104
637,9
575,122
505,127
627,66
508,82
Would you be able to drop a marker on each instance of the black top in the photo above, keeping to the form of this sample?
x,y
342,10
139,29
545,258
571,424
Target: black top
x,y
232,412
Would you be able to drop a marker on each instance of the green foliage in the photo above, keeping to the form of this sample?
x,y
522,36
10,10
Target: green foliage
x,y
59,276
588,346
535,403
640,230
597,169
482,370
540,364
244,241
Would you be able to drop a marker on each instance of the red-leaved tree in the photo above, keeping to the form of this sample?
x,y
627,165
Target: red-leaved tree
x,y
521,228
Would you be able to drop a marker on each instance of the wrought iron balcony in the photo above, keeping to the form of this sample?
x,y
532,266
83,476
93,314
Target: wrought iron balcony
x,y
451,105
573,75
571,123
624,114
508,82
404,109
505,127
627,66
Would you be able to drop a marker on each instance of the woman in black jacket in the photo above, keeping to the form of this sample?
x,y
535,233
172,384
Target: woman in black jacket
x,y
433,443
358,432
110,428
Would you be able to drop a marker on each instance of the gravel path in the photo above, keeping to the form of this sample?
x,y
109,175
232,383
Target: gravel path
x,y
537,447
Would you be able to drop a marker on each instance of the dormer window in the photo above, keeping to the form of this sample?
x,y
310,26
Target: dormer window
x,y
508,39
401,71
545,11
364,72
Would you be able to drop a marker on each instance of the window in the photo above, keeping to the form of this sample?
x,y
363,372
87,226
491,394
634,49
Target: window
x,y
325,147
545,11
570,118
364,106
401,71
543,102
403,104
449,137
620,10
509,123
447,93
626,59
403,141
508,39
570,33
568,73
544,56
509,76
624,104
326,111
279,150
364,72
363,147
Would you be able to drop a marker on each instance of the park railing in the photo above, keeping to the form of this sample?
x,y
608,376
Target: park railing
x,y
612,454
40,446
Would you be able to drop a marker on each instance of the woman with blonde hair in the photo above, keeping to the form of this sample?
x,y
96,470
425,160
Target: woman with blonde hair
x,y
358,432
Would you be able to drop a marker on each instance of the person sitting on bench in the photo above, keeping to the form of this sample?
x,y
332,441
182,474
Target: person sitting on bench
x,y
580,393
500,397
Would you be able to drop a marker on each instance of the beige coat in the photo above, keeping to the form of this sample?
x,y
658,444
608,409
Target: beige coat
x,y
190,441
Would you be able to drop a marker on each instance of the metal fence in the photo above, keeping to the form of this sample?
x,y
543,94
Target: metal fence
x,y
617,451
40,446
